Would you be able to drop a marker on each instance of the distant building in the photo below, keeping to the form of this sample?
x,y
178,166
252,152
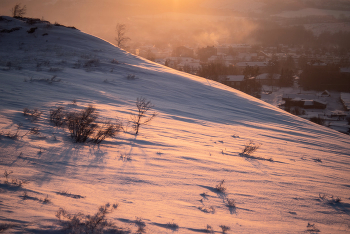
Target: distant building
x,y
187,64
340,115
294,100
345,69
268,79
227,60
325,94
183,51
345,99
247,57
261,65
241,47
234,81
207,52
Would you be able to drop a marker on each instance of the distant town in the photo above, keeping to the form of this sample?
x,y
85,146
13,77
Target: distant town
x,y
233,64
311,83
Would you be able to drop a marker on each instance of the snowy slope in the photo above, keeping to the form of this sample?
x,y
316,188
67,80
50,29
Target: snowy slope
x,y
194,142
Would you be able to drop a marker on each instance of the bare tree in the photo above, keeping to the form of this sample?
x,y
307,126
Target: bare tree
x,y
121,38
142,117
18,11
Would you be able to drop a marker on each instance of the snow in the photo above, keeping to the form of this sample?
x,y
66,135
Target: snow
x,y
345,97
267,76
235,77
194,142
252,64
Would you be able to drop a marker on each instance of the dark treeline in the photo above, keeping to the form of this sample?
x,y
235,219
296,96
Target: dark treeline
x,y
298,35
214,70
325,77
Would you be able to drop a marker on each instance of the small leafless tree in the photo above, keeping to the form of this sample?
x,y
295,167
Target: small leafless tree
x,y
121,38
18,11
142,117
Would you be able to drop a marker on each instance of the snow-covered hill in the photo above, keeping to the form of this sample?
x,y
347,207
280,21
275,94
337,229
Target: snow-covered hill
x,y
168,173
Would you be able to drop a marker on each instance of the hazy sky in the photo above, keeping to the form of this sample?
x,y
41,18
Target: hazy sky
x,y
197,22
175,21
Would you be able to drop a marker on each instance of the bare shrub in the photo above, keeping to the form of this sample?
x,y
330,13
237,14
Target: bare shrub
x,y
12,135
140,225
25,195
18,183
32,30
172,226
82,124
6,175
5,226
32,21
142,117
250,148
92,63
108,130
317,160
115,61
18,10
48,81
34,131
220,187
224,228
330,199
81,223
13,182
125,157
231,203
210,209
312,228
10,30
55,69
131,77
57,116
33,115
209,229
45,200
48,25
67,194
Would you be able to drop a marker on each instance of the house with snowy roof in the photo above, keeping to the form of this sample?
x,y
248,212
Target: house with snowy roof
x,y
234,81
268,79
261,65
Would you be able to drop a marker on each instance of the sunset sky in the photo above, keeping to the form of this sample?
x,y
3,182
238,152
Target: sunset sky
x,y
176,22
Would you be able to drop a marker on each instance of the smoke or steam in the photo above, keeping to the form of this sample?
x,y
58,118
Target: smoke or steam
x,y
167,23
175,22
